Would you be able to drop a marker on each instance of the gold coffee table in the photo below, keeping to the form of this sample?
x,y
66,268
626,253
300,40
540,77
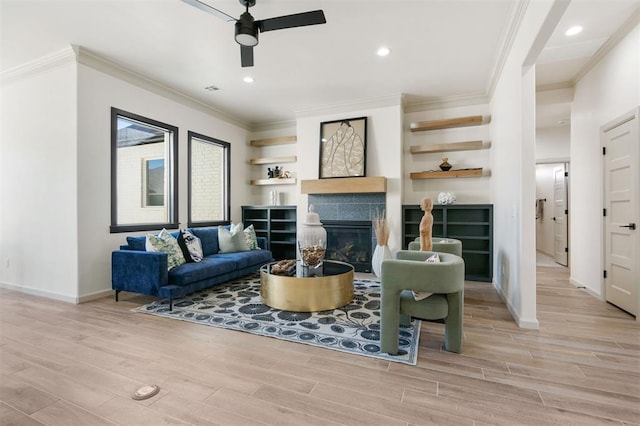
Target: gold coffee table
x,y
329,286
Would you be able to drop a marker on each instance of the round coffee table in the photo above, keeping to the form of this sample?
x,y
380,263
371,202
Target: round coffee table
x,y
329,286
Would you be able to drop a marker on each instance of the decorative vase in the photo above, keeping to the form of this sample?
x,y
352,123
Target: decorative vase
x,y
380,253
312,240
446,198
445,166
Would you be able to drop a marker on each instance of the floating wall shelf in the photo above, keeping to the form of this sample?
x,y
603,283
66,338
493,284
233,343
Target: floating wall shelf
x,y
449,147
474,120
274,181
273,160
449,174
273,141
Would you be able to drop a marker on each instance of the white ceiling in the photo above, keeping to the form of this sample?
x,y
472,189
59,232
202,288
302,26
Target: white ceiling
x,y
441,50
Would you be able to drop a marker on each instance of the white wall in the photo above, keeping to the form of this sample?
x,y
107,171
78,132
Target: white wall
x,y
608,90
553,143
384,154
55,173
467,190
38,180
513,163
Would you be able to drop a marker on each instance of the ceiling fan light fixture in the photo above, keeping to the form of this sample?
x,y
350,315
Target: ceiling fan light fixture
x,y
246,31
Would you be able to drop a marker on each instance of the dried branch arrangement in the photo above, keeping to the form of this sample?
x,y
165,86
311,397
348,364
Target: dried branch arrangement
x,y
381,228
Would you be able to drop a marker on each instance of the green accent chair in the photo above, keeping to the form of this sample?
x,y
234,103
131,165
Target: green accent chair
x,y
409,271
441,245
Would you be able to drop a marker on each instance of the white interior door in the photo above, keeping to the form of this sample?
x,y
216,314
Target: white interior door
x,y
560,214
621,201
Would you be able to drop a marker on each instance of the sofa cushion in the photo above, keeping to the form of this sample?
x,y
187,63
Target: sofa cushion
x,y
209,267
164,242
137,243
191,246
232,240
251,238
245,259
208,238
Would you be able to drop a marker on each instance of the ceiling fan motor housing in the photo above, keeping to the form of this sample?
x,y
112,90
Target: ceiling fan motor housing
x,y
246,30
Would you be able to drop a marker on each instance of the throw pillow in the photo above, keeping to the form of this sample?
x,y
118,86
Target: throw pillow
x,y
191,246
164,242
252,239
421,295
232,240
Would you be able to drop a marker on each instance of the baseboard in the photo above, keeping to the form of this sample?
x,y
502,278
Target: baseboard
x,y
590,291
38,292
93,296
521,322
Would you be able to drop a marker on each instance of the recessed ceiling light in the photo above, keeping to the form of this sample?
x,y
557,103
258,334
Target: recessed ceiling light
x,y
248,79
573,30
383,51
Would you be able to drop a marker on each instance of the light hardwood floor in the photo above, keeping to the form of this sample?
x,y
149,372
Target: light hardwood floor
x,y
64,364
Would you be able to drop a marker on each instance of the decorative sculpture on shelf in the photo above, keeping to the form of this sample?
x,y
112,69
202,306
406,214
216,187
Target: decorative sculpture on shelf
x,y
445,166
426,225
446,198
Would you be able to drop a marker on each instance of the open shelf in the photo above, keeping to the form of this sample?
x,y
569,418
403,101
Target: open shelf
x,y
448,147
273,141
344,185
273,160
449,174
274,181
473,120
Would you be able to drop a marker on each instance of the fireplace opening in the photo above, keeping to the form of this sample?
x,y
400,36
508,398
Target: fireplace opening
x,y
349,241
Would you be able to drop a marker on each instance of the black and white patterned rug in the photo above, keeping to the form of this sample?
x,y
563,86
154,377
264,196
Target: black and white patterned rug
x,y
237,305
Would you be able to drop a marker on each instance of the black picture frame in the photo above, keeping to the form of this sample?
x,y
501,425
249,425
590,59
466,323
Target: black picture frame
x,y
343,148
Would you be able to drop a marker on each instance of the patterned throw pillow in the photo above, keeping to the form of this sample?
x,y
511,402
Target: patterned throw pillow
x,y
164,242
232,240
250,236
191,246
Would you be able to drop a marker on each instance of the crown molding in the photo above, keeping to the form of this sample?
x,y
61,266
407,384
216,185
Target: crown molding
x,y
555,86
273,125
506,44
396,99
612,42
99,63
53,60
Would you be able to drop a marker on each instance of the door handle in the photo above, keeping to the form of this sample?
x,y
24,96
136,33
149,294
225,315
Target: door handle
x,y
631,226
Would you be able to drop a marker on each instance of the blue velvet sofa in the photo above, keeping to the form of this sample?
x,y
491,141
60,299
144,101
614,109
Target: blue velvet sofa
x,y
139,271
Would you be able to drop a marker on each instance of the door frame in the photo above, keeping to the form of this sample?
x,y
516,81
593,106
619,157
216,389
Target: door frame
x,y
628,116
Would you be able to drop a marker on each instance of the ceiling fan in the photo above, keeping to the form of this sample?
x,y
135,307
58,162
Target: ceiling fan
x,y
247,28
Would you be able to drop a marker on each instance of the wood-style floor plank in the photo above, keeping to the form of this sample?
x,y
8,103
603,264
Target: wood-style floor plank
x,y
63,364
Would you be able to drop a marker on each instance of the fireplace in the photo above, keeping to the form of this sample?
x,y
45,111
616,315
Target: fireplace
x,y
349,241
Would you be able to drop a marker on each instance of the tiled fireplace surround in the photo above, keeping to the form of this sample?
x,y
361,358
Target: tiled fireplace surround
x,y
350,208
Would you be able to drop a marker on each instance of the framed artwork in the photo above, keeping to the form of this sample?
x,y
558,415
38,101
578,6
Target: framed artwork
x,y
343,148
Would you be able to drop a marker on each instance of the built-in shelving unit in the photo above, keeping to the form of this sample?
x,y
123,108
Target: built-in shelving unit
x,y
472,224
422,126
260,161
277,224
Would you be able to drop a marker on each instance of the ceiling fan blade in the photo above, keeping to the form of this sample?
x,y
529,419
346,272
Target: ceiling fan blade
x,y
290,21
210,9
246,56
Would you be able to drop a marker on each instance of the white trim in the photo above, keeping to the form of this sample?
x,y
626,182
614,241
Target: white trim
x,y
553,160
612,42
530,324
95,295
358,104
97,62
38,292
36,66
